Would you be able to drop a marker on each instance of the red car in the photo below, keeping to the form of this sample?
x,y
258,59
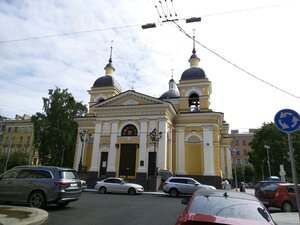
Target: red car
x,y
223,207
279,195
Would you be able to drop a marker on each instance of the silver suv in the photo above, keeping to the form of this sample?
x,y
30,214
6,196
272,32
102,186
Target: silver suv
x,y
183,185
40,185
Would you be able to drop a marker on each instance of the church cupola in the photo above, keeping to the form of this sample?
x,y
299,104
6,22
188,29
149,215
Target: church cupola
x,y
194,72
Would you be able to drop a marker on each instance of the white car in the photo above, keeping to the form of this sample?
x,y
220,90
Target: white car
x,y
183,185
118,185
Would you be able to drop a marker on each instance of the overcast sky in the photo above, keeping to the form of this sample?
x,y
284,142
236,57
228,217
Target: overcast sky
x,y
259,36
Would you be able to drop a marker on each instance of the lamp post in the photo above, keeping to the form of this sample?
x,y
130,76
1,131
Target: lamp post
x,y
82,139
9,149
269,167
235,176
155,136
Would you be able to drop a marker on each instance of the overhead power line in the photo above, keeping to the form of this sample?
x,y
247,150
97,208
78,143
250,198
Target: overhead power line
x,y
233,64
127,26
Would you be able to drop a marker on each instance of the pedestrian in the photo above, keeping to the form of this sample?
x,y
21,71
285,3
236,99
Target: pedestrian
x,y
243,187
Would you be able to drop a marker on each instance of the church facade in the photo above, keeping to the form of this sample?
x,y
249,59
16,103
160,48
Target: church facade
x,y
136,136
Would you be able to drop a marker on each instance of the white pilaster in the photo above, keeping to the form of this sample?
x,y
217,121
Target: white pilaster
x,y
180,151
229,163
208,146
95,163
111,167
143,146
222,150
162,146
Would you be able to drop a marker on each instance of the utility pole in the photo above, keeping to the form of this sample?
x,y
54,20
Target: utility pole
x,y
269,167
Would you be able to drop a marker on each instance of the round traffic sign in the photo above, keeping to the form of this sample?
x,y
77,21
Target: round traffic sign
x,y
287,120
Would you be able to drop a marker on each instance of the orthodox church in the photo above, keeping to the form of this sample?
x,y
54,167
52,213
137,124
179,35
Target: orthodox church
x,y
132,135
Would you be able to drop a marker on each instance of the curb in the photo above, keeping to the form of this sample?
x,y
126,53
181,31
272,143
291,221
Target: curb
x,y
12,215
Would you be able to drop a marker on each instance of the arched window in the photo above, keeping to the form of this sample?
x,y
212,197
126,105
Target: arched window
x,y
129,130
194,103
100,100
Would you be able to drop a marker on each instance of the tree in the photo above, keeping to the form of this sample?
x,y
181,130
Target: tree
x,y
270,135
17,158
55,130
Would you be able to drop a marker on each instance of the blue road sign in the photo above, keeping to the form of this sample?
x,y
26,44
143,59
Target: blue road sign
x,y
287,120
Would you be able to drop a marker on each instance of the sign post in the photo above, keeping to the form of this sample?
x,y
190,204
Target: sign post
x,y
288,121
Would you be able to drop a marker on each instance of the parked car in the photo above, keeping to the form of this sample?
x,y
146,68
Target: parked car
x,y
223,207
279,195
118,185
264,183
40,185
83,185
183,185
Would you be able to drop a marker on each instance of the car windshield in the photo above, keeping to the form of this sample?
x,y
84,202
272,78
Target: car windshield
x,y
228,207
68,174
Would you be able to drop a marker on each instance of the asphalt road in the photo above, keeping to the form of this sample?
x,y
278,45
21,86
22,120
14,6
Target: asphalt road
x,y
115,209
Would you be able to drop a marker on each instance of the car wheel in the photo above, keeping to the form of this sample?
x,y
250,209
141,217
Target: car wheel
x,y
286,207
37,199
63,204
102,190
174,192
131,191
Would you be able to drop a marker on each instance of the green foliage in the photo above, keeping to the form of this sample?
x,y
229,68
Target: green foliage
x,y
270,135
55,130
18,158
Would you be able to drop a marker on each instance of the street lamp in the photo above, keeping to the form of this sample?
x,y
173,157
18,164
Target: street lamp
x,y
269,167
235,176
9,149
155,136
82,139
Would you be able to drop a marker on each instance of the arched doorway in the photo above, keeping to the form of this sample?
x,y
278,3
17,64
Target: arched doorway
x,y
127,165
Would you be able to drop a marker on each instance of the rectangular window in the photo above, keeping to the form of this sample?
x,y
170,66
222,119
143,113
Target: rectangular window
x,y
28,140
16,129
244,143
20,139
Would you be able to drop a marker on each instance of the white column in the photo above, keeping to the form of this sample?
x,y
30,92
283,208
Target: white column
x,y
162,146
222,150
229,163
111,164
95,163
143,146
180,151
208,146
170,141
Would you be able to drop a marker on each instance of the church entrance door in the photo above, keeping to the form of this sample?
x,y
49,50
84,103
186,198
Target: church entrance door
x,y
127,160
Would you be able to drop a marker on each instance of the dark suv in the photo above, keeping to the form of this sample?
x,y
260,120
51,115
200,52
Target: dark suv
x,y
40,185
276,194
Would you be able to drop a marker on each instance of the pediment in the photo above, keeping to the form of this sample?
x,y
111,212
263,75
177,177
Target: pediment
x,y
130,98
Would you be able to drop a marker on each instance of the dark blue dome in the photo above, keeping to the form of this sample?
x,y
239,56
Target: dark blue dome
x,y
107,81
193,73
170,94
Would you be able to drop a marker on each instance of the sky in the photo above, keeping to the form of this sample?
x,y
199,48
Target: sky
x,y
249,50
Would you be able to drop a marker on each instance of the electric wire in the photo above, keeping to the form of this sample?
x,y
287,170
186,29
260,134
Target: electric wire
x,y
70,33
234,64
126,26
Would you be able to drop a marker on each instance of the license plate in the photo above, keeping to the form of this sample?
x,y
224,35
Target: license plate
x,y
73,185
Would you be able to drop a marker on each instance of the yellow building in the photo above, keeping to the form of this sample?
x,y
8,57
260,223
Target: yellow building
x,y
17,135
130,134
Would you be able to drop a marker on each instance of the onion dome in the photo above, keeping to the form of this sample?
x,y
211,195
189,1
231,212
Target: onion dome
x,y
194,72
108,80
172,92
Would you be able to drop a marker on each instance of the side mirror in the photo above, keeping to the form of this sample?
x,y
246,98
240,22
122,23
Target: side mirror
x,y
185,200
